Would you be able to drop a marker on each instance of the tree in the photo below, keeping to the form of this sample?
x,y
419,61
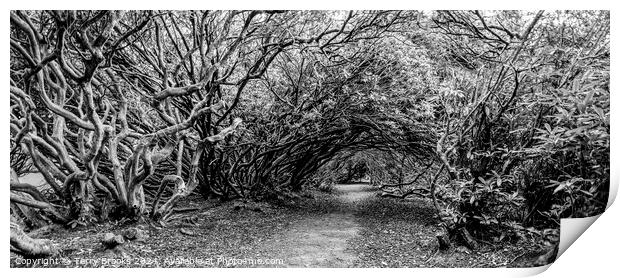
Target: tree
x,y
112,108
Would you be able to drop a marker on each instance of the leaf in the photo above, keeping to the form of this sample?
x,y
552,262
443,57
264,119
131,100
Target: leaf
x,y
548,127
566,184
588,98
600,113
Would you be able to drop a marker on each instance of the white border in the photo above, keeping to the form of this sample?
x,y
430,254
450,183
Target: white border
x,y
594,254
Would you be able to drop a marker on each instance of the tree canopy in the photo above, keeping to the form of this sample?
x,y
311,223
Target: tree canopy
x,y
500,117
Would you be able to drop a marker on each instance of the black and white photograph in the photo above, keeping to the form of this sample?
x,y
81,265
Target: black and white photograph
x,y
304,138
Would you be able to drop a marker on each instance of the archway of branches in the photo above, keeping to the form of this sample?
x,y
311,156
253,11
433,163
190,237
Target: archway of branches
x,y
124,114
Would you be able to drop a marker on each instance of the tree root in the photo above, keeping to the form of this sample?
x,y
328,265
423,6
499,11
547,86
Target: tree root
x,y
29,247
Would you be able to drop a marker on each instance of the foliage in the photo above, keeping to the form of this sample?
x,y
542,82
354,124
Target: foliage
x,y
529,141
500,117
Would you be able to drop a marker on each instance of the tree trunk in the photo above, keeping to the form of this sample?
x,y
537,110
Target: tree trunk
x,y
469,241
444,240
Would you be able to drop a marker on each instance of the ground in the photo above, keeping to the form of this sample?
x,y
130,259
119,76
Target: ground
x,y
350,227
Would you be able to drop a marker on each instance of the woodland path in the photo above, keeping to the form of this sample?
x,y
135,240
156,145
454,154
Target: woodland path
x,y
321,240
360,229
350,227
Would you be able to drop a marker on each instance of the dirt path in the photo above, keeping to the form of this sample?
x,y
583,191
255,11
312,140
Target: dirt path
x,y
350,228
321,240
362,230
